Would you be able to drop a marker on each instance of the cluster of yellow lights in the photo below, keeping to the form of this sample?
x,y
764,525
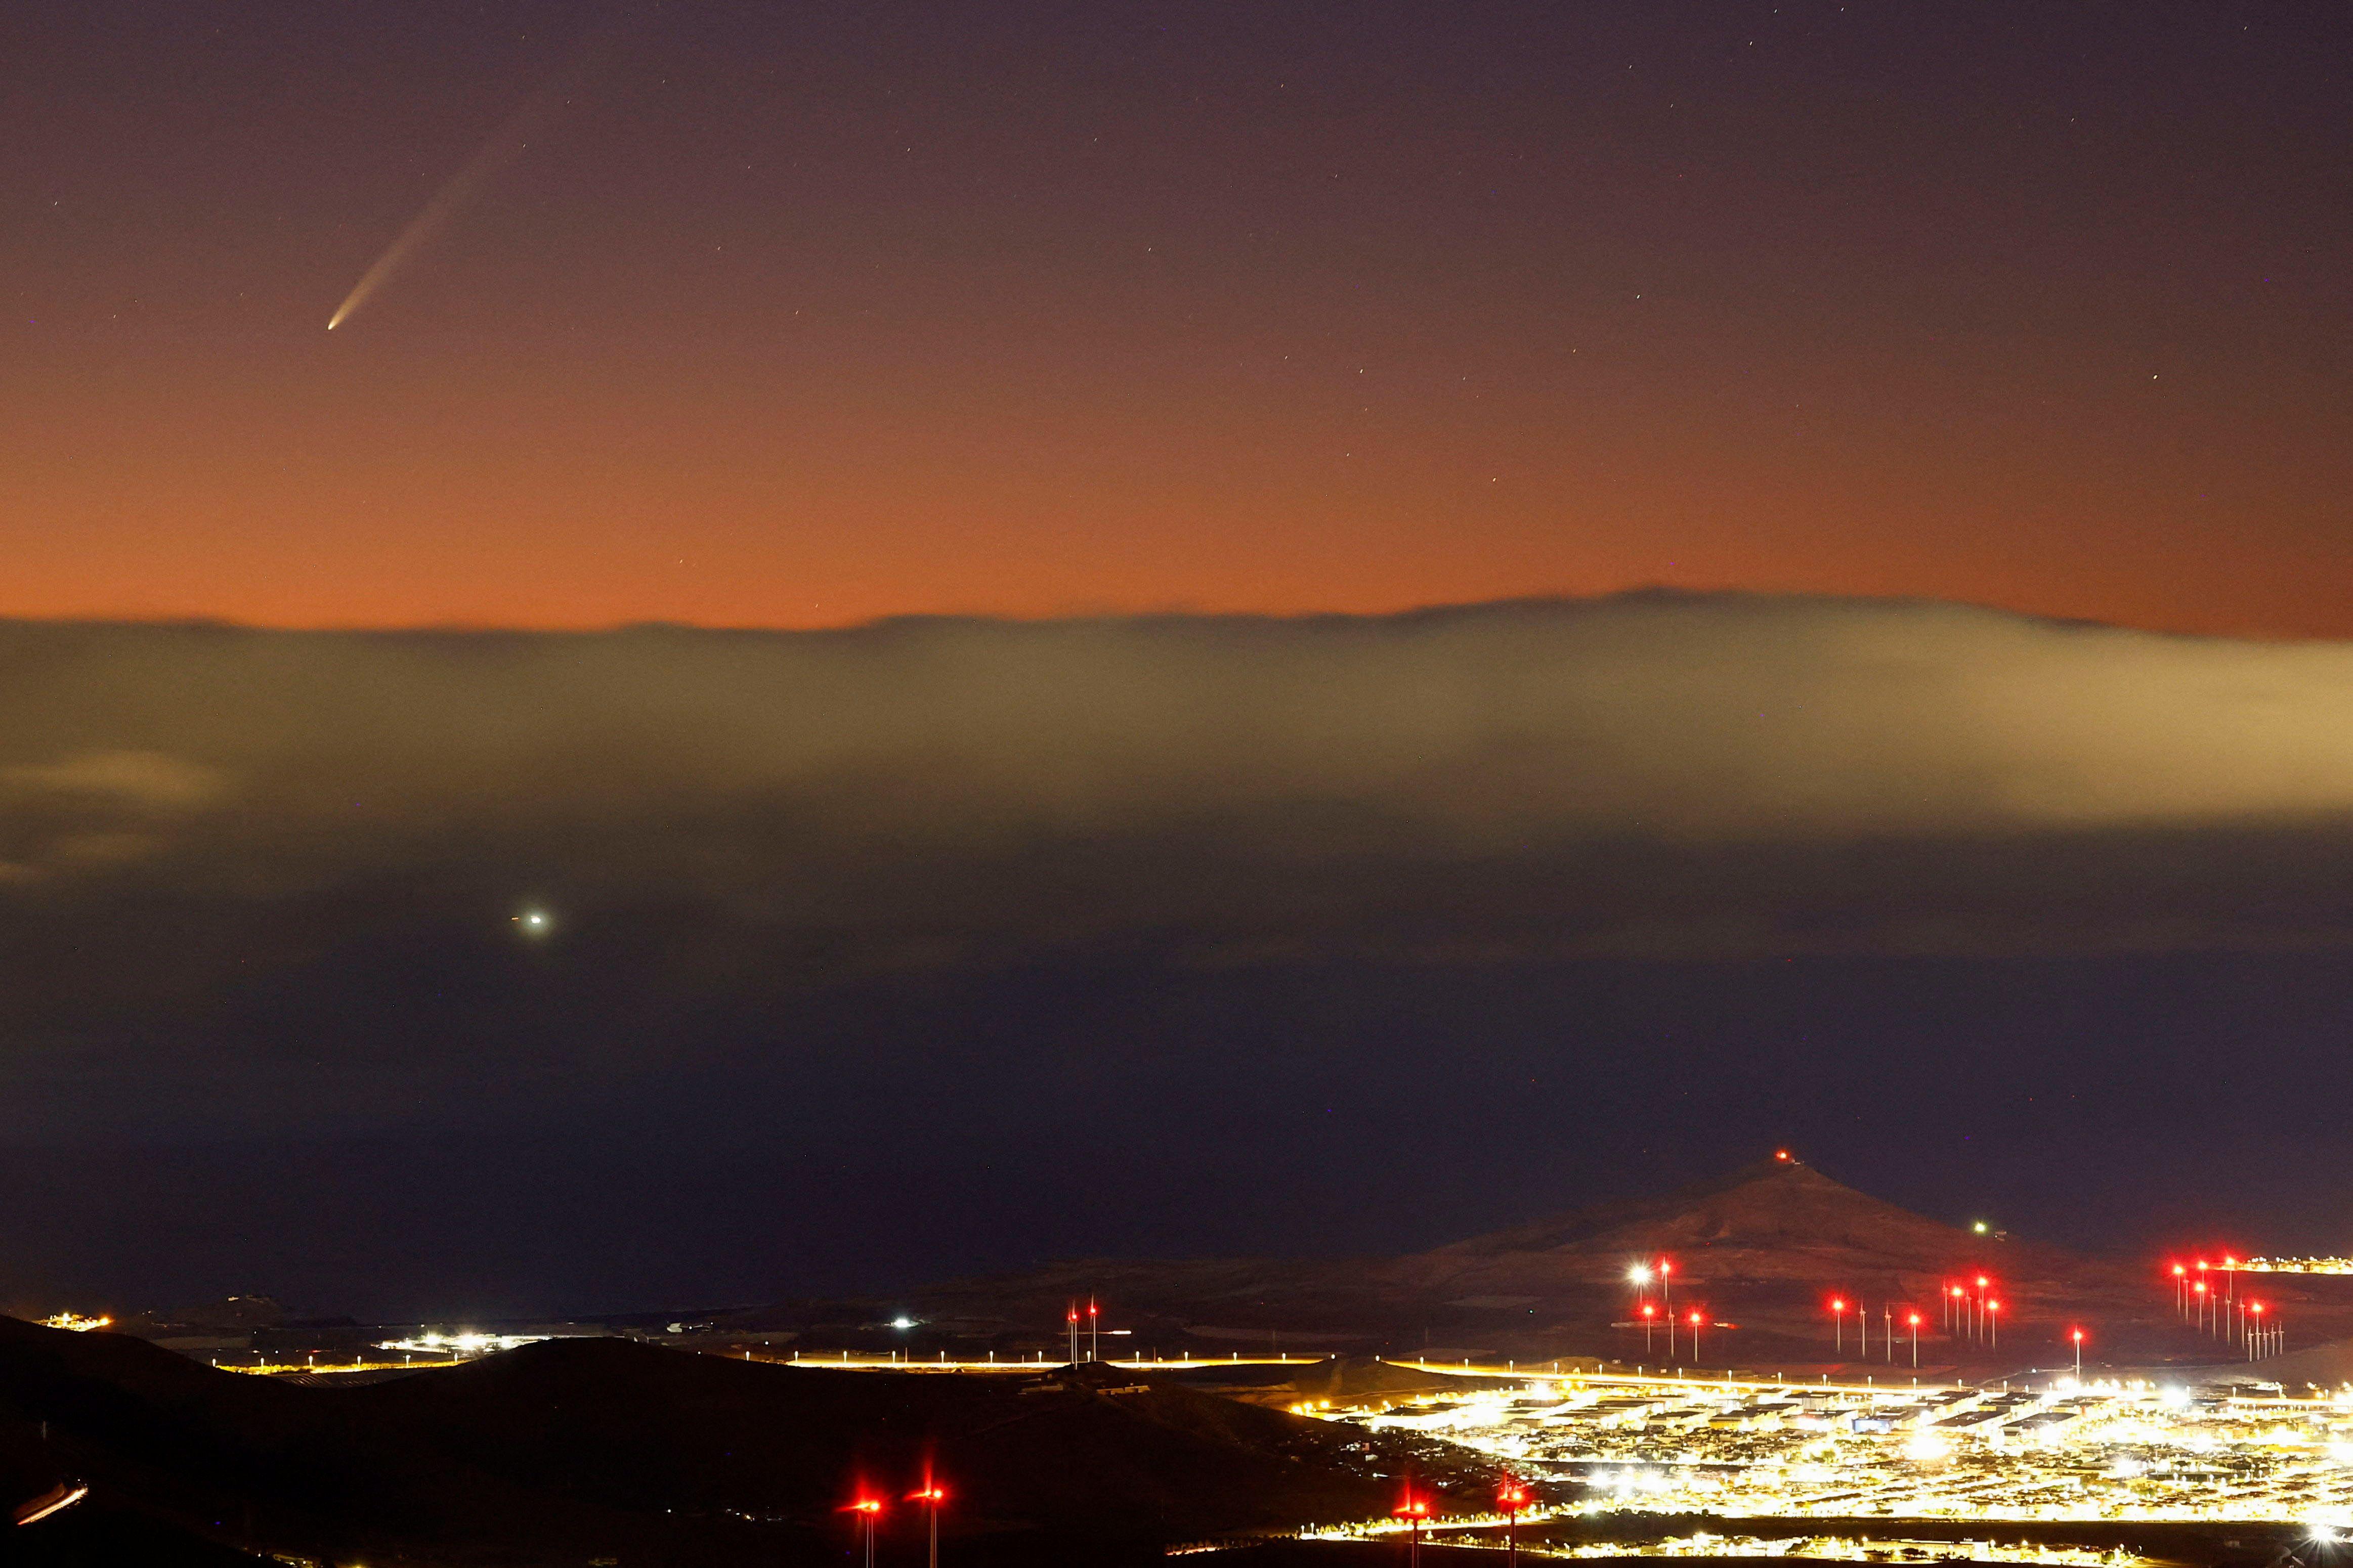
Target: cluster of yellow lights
x,y
76,1323
2298,1265
1840,1549
2066,1449
461,1344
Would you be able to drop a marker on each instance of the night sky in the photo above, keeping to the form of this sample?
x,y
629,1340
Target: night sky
x,y
1154,628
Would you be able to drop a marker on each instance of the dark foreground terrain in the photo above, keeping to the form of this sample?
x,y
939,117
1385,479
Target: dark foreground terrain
x,y
612,1451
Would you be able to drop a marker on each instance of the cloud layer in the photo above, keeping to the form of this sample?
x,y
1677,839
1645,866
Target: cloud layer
x,y
282,760
1667,716
234,861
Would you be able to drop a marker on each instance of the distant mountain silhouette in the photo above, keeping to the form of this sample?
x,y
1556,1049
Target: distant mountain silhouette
x,y
1767,1243
1776,1218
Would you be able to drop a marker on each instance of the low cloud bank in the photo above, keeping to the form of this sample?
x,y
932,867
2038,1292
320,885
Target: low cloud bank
x,y
304,852
1678,718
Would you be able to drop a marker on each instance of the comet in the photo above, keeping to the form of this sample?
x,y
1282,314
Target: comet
x,y
507,144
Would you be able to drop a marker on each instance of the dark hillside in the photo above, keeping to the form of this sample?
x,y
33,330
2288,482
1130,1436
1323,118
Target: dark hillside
x,y
571,1450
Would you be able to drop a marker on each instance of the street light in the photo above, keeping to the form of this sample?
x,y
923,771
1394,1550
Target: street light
x,y
1838,1324
1915,1341
1696,1318
2077,1335
1993,1323
1650,1316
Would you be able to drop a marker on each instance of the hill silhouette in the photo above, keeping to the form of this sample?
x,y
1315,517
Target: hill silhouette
x,y
593,1448
1763,1247
1776,1218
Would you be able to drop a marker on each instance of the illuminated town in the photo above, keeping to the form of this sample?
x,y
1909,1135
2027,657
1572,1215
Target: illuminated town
x,y
2073,1450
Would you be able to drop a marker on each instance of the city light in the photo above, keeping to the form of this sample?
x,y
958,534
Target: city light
x,y
75,1322
2298,1264
2068,1447
461,1346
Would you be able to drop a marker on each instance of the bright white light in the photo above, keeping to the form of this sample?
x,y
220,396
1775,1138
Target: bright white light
x,y
1640,1274
903,1323
461,1345
1927,1448
534,923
